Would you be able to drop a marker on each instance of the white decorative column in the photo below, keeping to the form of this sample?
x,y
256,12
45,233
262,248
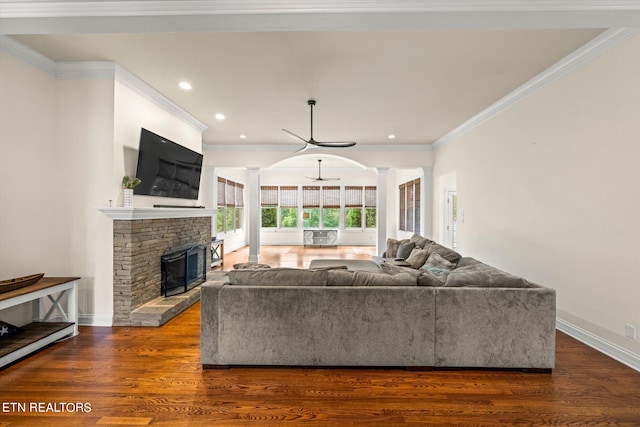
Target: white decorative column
x,y
426,199
210,195
381,211
254,214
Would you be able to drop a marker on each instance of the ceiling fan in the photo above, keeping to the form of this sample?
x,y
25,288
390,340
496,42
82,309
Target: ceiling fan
x,y
319,177
312,142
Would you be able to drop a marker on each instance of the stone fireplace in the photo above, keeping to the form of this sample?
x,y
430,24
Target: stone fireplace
x,y
139,244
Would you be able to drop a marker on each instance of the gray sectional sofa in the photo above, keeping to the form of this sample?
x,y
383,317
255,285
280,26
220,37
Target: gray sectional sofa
x,y
363,314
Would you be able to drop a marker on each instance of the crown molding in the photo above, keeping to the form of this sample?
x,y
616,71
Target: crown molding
x,y
96,70
293,147
136,84
105,16
85,70
28,56
79,8
580,57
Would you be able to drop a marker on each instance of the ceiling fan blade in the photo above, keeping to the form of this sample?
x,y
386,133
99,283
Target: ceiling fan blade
x,y
335,144
295,136
305,148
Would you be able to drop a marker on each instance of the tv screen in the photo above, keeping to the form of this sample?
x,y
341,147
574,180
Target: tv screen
x,y
167,169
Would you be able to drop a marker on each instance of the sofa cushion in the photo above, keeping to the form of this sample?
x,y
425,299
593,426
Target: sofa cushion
x,y
418,257
250,266
432,278
367,278
420,242
484,276
446,253
392,247
389,268
436,261
466,261
404,250
279,277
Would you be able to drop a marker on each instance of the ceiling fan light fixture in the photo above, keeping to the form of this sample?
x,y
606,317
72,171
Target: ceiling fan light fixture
x,y
220,116
185,85
312,142
392,136
319,177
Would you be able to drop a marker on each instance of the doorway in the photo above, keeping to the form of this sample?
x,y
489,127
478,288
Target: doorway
x,y
451,219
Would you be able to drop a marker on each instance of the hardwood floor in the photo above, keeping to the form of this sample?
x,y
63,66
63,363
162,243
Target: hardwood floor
x,y
152,376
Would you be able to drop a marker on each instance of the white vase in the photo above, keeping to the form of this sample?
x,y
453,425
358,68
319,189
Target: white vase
x,y
128,198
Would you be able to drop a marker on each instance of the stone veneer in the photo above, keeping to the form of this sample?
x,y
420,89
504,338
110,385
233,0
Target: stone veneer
x,y
137,248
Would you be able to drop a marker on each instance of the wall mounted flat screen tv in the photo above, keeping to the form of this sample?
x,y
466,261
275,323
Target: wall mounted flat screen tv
x,y
167,169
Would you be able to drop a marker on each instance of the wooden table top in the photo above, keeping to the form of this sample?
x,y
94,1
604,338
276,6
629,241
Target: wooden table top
x,y
45,282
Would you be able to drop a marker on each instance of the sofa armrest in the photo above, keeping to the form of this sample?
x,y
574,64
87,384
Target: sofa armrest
x,y
495,327
209,315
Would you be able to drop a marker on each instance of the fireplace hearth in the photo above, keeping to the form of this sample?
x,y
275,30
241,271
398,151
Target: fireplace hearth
x,y
183,268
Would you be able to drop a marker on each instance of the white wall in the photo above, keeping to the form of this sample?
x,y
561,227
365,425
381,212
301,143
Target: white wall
x,y
31,205
84,110
550,191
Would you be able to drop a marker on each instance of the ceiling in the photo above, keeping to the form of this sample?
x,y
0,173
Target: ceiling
x,y
417,85
415,69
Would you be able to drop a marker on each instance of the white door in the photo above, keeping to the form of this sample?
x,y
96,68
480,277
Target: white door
x,y
450,220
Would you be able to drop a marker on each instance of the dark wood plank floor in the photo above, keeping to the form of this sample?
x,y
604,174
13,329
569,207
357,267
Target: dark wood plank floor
x,y
152,376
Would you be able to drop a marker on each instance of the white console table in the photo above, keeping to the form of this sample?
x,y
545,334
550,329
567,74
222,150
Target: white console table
x,y
42,331
320,237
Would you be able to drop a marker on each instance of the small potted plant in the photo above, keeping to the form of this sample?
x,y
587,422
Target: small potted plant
x,y
128,184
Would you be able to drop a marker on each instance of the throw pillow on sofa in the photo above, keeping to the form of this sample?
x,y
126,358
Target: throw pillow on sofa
x,y
436,260
392,247
421,242
484,276
418,257
446,253
404,250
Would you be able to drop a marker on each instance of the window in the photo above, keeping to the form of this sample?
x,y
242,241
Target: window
x,y
311,207
360,207
353,207
331,207
269,206
409,214
289,207
370,204
230,205
321,207
221,205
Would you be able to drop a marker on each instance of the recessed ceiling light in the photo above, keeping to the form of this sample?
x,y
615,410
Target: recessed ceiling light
x,y
185,85
392,136
243,136
220,116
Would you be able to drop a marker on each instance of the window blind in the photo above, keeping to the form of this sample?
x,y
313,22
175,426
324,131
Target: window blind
x,y
231,193
239,194
331,197
352,197
416,197
269,195
370,197
221,191
288,197
403,207
310,197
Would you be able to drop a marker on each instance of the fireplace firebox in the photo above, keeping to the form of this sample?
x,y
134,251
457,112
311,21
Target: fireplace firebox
x,y
183,269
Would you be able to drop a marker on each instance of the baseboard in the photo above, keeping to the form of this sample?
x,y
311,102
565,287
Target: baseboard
x,y
612,350
93,320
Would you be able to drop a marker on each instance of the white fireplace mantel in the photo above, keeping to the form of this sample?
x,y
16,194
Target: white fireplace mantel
x,y
130,214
